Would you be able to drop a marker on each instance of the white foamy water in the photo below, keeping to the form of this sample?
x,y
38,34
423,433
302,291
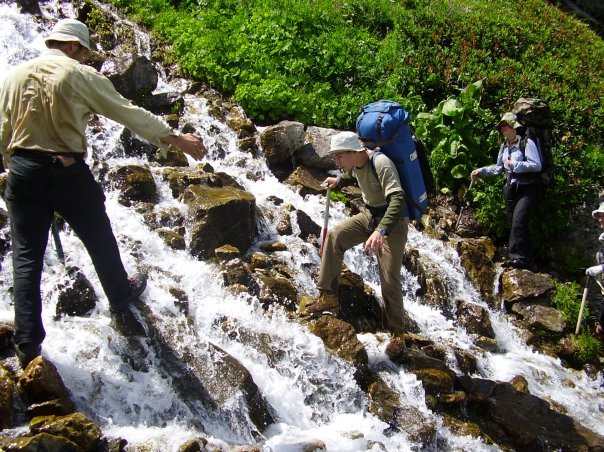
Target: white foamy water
x,y
312,393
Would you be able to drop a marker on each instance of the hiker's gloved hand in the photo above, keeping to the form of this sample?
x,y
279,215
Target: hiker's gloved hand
x,y
595,270
601,238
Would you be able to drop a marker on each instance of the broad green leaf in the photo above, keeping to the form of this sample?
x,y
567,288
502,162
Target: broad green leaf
x,y
452,107
459,171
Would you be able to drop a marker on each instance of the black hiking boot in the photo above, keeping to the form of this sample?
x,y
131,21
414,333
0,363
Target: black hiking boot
x,y
26,352
138,284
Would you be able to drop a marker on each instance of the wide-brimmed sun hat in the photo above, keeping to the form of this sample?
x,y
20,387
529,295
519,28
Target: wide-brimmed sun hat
x,y
345,141
68,30
510,119
599,211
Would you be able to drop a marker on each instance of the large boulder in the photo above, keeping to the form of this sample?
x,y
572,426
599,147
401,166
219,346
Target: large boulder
x,y
75,427
219,216
540,317
7,387
41,382
133,78
135,183
519,285
315,152
279,142
476,257
78,297
306,180
475,319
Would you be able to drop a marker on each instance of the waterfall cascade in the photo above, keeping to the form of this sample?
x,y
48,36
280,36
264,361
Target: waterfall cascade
x,y
312,394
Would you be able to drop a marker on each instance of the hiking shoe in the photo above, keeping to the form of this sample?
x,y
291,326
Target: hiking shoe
x,y
325,304
138,284
26,352
395,348
126,323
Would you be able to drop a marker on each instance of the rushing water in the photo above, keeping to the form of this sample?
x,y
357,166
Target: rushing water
x,y
312,392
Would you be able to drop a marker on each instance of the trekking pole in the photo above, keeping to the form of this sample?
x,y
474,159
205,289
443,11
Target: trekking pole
x,y
325,220
585,292
467,202
54,229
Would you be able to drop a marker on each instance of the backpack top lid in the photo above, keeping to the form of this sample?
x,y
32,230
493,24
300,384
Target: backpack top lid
x,y
379,122
533,112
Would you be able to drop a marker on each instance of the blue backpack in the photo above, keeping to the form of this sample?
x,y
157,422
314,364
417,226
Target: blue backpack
x,y
385,125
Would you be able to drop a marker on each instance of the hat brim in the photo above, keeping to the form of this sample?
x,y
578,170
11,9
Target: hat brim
x,y
63,37
597,213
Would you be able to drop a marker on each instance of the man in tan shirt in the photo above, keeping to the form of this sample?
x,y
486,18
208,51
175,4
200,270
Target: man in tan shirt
x,y
45,106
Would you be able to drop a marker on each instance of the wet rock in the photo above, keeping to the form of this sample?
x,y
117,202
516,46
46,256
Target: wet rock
x,y
237,120
340,338
219,216
6,339
521,284
420,428
467,362
227,253
315,152
194,445
309,230
174,158
281,291
163,103
475,319
279,142
56,407
358,304
79,298
75,427
133,78
179,179
249,145
437,294
173,239
7,387
527,422
284,227
383,400
135,184
540,317
476,257
41,382
204,373
271,247
30,7
434,374
306,180
413,263
520,384
39,442
236,273
464,428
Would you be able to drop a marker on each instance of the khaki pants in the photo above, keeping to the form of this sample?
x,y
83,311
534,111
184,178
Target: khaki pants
x,y
353,231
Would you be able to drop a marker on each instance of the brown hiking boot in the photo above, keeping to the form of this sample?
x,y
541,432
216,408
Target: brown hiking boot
x,y
325,304
395,348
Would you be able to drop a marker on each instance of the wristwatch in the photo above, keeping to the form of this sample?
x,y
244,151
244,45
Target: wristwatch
x,y
382,231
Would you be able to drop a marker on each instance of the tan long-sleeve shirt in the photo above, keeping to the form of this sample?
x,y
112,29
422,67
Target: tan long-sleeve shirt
x,y
46,103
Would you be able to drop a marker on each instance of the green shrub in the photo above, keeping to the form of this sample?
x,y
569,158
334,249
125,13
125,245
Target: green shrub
x,y
567,300
589,348
319,61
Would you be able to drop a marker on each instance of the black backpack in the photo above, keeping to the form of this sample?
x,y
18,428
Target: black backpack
x,y
536,119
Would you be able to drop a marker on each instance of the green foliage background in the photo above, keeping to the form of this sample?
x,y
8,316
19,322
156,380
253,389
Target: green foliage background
x,y
455,65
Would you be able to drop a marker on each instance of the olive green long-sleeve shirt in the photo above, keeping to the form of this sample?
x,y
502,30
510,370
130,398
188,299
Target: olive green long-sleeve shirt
x,y
46,103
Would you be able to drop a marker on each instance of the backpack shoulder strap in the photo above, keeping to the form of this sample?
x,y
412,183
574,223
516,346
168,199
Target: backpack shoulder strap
x,y
373,155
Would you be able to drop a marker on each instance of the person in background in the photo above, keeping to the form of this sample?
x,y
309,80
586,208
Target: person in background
x,y
381,227
521,191
597,271
45,106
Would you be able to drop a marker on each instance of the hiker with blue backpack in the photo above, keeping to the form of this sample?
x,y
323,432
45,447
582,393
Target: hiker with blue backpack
x,y
380,226
520,160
